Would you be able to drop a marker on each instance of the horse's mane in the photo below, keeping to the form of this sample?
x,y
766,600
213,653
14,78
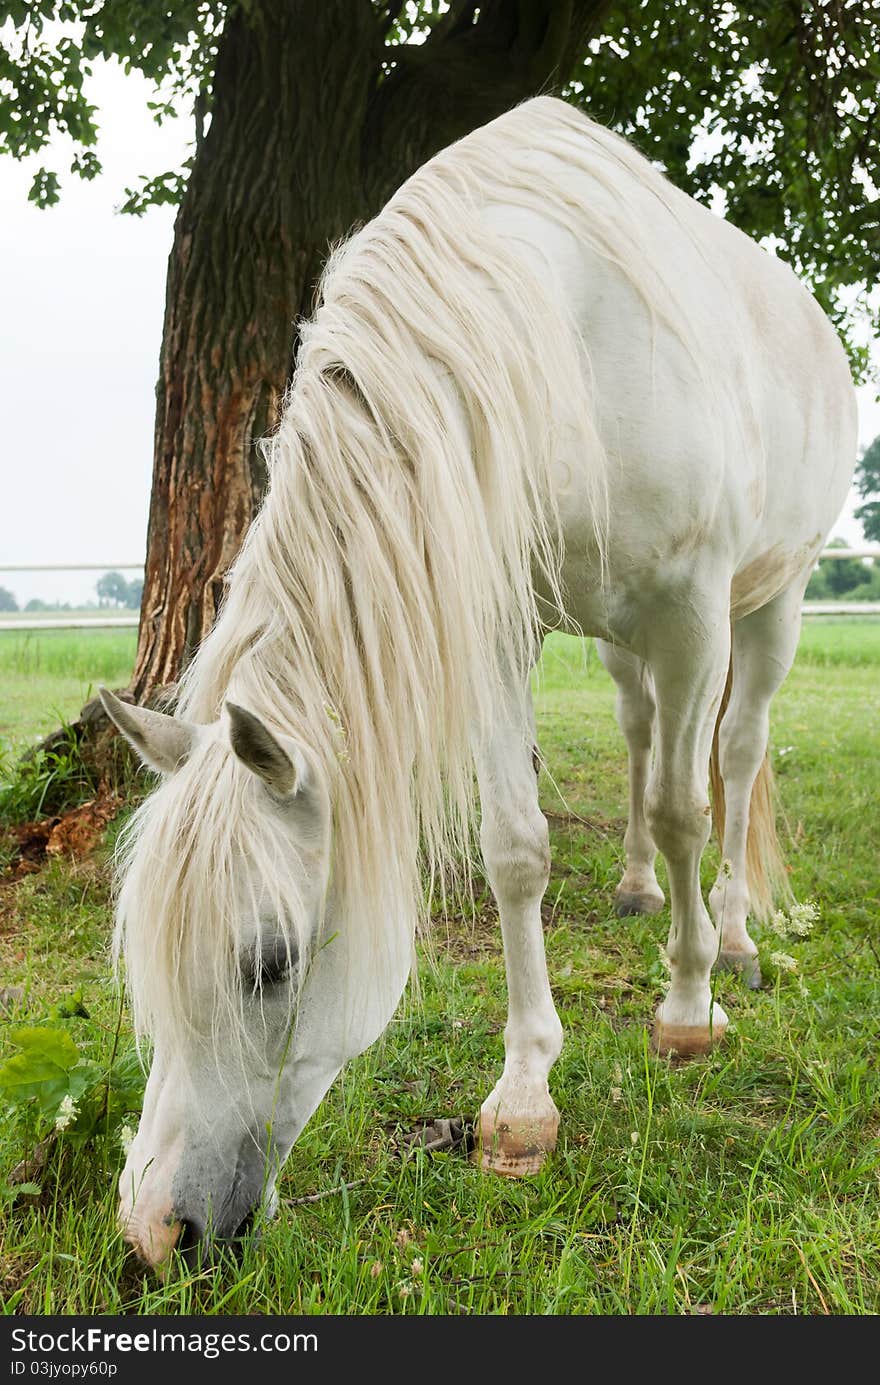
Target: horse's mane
x,y
387,586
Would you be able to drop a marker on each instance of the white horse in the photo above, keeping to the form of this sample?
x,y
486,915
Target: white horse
x,y
543,388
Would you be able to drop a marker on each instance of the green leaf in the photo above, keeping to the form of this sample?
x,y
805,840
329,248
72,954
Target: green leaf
x,y
10,1191
86,165
42,1069
70,1007
44,188
46,1042
83,1078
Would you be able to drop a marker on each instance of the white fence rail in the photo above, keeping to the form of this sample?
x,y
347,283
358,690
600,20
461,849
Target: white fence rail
x,y
836,553
810,608
73,623
53,622
71,567
841,608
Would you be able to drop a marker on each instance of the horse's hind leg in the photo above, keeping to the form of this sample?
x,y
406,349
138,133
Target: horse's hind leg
x,y
764,646
689,665
518,1121
638,891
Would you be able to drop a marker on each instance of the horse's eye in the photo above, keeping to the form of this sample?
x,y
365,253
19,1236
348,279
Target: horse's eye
x,y
271,963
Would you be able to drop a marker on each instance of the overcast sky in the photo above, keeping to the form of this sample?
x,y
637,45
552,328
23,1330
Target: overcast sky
x,y
81,304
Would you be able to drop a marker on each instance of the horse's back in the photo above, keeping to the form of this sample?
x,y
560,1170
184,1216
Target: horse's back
x,y
721,393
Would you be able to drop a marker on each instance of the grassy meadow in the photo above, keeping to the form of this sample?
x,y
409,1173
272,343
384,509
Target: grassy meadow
x,y
47,675
747,1182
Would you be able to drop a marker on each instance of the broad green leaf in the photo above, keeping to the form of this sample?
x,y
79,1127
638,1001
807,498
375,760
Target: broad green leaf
x,y
46,1041
42,1067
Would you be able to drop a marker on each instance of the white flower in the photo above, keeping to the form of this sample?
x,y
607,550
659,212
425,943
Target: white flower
x,y
616,1093
404,1289
67,1112
802,917
634,1137
779,924
665,981
126,1137
797,923
783,962
417,1265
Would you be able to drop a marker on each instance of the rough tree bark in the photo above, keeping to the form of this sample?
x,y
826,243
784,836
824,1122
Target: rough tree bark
x,y
310,133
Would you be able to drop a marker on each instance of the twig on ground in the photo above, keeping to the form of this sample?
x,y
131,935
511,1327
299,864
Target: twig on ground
x,y
318,1197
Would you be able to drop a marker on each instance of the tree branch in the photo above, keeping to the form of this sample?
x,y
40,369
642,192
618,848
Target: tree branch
x,y
467,72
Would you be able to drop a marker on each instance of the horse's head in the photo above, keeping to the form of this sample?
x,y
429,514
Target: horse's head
x,y
251,996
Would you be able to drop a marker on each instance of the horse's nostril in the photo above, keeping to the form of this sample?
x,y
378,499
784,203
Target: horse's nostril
x,y
244,1227
189,1237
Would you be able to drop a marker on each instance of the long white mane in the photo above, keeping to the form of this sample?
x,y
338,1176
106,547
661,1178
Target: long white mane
x,y
387,585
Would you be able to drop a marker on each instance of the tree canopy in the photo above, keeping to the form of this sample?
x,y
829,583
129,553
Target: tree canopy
x,y
308,114
837,579
769,106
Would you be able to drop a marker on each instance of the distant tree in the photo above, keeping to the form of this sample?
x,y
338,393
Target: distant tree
x,y
817,587
868,486
135,593
7,600
843,575
112,588
871,592
35,604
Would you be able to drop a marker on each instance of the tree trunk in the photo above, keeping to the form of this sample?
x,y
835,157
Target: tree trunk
x,y
308,135
275,180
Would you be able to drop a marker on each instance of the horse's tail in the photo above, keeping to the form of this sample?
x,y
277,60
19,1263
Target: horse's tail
x,y
765,865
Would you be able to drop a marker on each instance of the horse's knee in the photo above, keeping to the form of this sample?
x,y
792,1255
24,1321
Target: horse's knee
x,y
516,850
680,823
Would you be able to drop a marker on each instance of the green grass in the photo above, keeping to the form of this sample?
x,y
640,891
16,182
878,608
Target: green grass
x,y
836,640
747,1182
47,675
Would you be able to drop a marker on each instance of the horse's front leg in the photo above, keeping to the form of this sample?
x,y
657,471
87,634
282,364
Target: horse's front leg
x,y
518,1121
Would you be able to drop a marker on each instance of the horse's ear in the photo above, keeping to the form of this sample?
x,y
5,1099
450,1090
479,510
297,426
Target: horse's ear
x,y
162,742
258,748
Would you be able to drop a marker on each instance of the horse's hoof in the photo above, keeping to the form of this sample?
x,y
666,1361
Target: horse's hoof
x,y
687,1040
746,966
628,902
516,1146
